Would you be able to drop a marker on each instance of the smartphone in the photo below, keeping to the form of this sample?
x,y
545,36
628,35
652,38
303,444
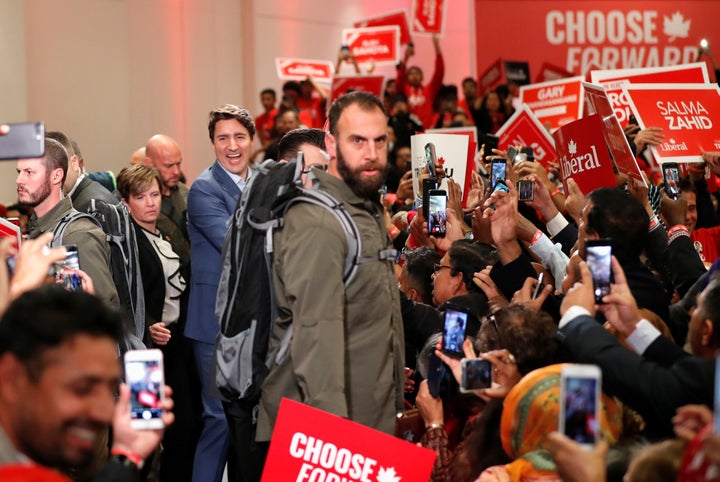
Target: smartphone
x,y
437,213
540,285
498,172
65,274
476,374
529,154
145,375
526,190
598,256
512,153
632,119
491,142
430,158
671,176
454,329
26,140
580,388
428,185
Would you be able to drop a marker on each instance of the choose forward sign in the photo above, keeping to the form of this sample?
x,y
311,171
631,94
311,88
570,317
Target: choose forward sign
x,y
689,115
311,445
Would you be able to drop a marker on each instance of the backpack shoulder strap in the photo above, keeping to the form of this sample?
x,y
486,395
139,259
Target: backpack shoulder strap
x,y
61,226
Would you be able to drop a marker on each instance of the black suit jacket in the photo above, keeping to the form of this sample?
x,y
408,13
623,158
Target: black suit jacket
x,y
655,385
86,191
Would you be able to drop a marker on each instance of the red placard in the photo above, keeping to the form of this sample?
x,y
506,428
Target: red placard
x,y
399,18
583,154
367,83
299,69
689,115
8,228
554,103
523,129
613,80
311,445
503,71
380,45
551,72
596,102
427,17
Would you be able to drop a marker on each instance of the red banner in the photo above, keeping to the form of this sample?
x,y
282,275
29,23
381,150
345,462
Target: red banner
x,y
427,17
299,69
610,34
311,445
398,18
523,129
8,228
687,113
613,80
367,83
380,45
584,155
554,103
596,102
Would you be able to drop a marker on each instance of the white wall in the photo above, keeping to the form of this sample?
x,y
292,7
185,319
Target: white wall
x,y
111,73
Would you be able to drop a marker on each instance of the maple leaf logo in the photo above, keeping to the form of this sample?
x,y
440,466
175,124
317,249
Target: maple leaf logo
x,y
572,147
672,141
387,475
676,26
441,160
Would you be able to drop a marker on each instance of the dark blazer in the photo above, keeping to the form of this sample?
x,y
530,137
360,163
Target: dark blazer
x,y
655,385
86,191
211,203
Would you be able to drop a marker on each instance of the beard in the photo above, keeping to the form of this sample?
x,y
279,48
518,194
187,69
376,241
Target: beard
x,y
34,198
366,187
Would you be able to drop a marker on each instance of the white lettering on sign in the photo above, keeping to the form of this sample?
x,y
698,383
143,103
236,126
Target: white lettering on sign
x,y
551,92
371,47
429,9
596,27
580,163
685,115
328,456
579,58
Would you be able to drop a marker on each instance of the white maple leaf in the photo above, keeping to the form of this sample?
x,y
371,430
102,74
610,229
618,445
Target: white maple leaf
x,y
676,26
572,147
672,141
387,475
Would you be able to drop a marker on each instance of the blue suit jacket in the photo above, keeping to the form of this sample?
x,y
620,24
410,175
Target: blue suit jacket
x,y
211,203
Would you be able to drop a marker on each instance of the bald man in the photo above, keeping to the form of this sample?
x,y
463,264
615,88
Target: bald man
x,y
139,157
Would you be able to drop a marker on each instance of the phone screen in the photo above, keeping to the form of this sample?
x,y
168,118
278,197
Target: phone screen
x,y
437,213
598,258
671,175
526,190
454,332
499,169
430,158
476,374
579,408
145,379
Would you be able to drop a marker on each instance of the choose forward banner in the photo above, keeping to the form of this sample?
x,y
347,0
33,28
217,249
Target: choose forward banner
x,y
311,445
689,115
523,129
584,155
614,80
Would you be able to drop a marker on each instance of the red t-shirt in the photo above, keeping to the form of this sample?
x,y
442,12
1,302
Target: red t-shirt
x,y
264,124
420,99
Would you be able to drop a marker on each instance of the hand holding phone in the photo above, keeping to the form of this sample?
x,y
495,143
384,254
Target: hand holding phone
x,y
598,256
526,190
145,375
671,177
437,213
454,331
476,374
497,173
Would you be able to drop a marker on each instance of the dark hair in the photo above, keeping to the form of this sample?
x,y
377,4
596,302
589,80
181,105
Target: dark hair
x,y
56,157
528,334
468,257
617,215
365,100
23,209
686,185
419,266
290,144
293,86
76,148
62,139
50,315
268,91
230,111
468,79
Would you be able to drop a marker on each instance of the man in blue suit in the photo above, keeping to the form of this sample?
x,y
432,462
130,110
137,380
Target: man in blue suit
x,y
211,203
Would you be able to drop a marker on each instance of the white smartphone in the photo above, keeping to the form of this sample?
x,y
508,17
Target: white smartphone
x,y
145,375
580,403
476,374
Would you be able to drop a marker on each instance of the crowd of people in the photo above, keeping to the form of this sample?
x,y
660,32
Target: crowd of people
x,y
361,348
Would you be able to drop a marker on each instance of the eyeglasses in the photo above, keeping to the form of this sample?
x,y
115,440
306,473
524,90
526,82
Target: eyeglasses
x,y
438,267
493,320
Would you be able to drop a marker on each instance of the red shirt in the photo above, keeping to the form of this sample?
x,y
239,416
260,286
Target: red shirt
x,y
264,124
420,99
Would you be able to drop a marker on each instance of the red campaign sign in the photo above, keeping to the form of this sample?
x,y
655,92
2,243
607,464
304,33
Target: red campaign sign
x,y
380,45
10,229
427,17
366,83
300,69
399,18
523,129
551,72
613,81
596,102
554,103
687,113
311,445
503,71
584,155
